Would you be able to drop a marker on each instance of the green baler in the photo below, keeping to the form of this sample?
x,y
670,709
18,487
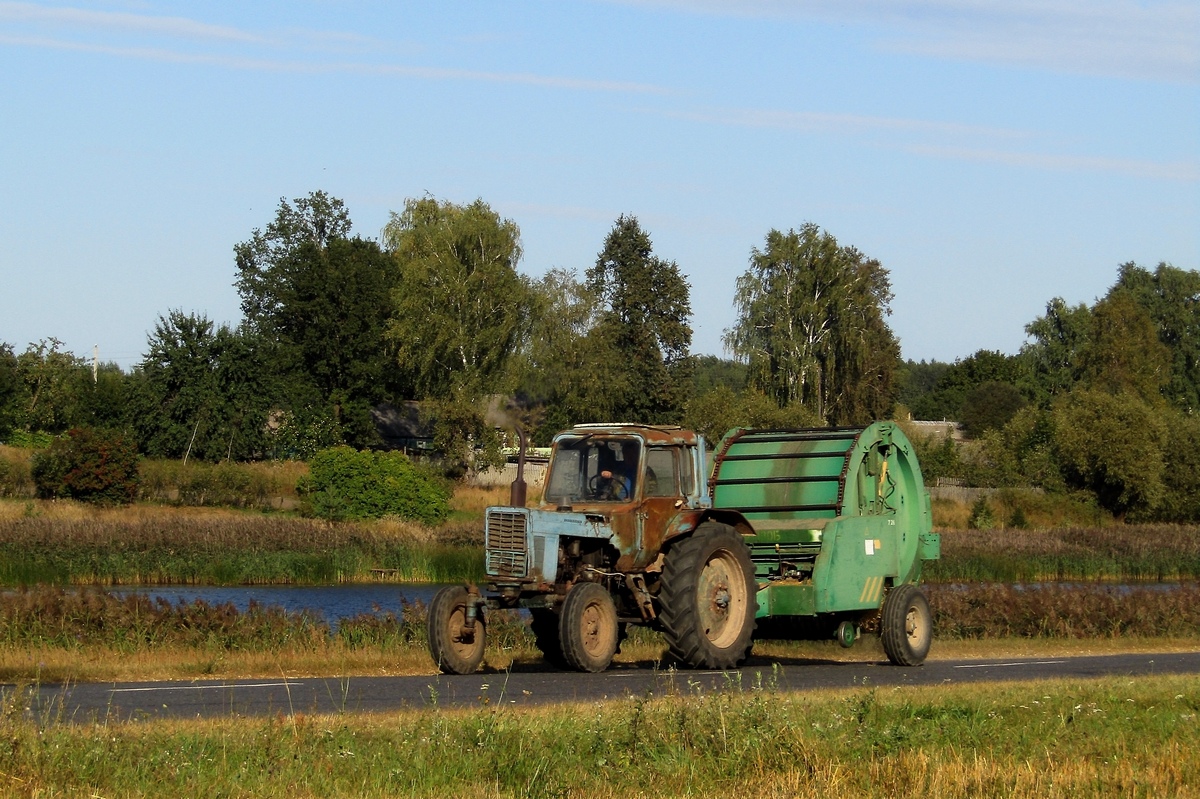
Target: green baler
x,y
791,533
840,528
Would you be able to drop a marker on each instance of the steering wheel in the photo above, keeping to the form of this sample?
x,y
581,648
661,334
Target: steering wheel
x,y
602,487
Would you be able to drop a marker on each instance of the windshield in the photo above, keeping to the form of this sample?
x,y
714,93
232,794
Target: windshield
x,y
593,469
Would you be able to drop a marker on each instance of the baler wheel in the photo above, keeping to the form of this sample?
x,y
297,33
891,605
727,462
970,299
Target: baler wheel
x,y
708,598
906,625
588,627
454,650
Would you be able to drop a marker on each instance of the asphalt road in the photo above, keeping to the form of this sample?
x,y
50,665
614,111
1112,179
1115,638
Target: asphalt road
x,y
87,702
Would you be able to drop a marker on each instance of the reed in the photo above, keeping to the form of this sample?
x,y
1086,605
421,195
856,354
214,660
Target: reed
x,y
1064,611
62,543
1126,553
1052,740
265,484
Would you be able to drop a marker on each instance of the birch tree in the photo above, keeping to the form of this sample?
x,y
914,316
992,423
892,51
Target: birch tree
x,y
811,326
459,312
460,309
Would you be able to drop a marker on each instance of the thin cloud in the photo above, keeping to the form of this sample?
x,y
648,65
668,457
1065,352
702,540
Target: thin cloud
x,y
308,67
951,135
851,124
131,23
1185,171
1124,38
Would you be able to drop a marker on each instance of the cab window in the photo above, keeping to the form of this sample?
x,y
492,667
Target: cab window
x,y
662,472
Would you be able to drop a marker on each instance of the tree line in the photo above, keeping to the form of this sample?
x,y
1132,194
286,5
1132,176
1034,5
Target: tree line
x,y
436,311
1101,399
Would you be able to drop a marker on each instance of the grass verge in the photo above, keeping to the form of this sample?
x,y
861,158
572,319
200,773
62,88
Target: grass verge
x,y
1110,737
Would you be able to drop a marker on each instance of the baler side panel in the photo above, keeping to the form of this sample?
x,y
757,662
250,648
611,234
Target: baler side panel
x,y
858,560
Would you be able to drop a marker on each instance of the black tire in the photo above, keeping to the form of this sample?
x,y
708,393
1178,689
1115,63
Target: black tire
x,y
906,625
454,651
588,627
708,598
544,626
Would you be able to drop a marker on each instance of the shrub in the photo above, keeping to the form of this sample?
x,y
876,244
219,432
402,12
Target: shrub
x,y
347,484
982,517
91,465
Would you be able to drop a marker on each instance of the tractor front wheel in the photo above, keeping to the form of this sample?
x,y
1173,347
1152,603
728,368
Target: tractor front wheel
x,y
588,627
456,649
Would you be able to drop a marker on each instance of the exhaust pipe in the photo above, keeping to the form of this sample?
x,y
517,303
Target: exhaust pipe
x,y
516,492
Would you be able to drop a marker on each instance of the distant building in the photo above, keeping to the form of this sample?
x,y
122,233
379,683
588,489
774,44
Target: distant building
x,y
403,427
941,429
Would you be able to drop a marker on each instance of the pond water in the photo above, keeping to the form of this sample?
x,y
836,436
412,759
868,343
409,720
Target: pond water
x,y
335,602
331,602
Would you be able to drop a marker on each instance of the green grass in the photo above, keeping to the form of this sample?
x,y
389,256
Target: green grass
x,y
1112,737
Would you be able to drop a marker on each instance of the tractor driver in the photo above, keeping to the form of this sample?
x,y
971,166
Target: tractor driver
x,y
619,468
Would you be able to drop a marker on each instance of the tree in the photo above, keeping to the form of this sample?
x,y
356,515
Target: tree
x,y
1124,353
964,376
915,382
200,392
53,382
710,371
1171,297
811,326
990,406
1112,445
643,333
102,397
1181,473
1021,453
263,261
320,301
564,371
1054,358
460,310
717,411
10,391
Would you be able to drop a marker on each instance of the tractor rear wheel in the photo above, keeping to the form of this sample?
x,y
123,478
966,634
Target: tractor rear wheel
x,y
708,598
588,627
906,625
455,649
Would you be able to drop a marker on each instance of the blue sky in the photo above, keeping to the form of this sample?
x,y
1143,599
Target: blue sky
x,y
992,155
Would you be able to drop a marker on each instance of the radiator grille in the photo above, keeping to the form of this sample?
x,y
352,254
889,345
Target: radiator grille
x,y
505,542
